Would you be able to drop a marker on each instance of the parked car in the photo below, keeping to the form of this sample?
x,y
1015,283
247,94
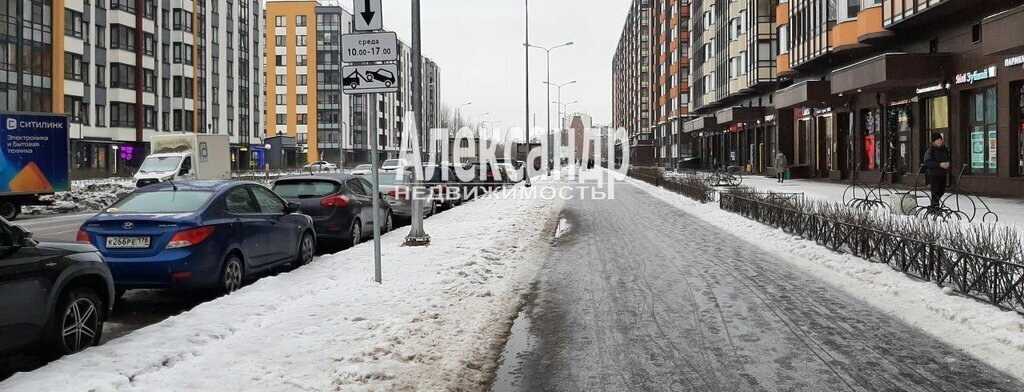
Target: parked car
x,y
321,166
444,184
362,170
55,296
397,189
341,206
394,164
199,234
381,75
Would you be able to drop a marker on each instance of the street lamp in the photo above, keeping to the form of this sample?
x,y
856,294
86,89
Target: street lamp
x,y
563,110
458,118
479,119
550,137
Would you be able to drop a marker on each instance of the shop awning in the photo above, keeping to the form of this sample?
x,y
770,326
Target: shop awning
x,y
891,70
805,93
1003,32
698,124
740,114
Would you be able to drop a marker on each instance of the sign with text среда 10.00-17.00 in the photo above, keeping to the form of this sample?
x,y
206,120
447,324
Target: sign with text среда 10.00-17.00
x,y
369,47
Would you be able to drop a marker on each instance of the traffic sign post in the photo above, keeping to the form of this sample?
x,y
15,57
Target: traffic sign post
x,y
369,47
368,15
368,79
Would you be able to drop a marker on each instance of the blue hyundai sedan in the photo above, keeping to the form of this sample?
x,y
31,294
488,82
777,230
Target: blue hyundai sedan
x,y
198,234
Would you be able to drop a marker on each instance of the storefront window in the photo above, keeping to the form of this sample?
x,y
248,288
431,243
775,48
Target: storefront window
x,y
899,122
872,140
936,120
983,141
1020,131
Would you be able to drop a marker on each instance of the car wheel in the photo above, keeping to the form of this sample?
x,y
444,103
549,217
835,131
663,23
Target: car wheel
x,y
387,83
307,247
9,210
357,232
232,274
354,86
79,323
389,223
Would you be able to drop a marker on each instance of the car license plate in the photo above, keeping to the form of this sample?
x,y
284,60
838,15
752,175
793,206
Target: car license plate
x,y
127,242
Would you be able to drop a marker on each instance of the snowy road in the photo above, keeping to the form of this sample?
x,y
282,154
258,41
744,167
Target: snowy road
x,y
639,295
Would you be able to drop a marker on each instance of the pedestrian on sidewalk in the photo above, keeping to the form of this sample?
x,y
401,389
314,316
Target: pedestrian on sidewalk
x,y
781,165
936,160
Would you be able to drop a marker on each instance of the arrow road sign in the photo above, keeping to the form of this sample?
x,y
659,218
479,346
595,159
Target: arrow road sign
x,y
368,79
369,47
368,15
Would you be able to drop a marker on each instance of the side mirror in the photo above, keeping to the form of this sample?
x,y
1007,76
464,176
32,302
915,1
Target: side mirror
x,y
22,238
292,207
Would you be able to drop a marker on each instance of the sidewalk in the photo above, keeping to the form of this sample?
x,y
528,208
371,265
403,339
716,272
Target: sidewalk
x,y
984,331
1010,211
436,323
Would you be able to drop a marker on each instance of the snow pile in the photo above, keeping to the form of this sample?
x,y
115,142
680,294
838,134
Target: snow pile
x,y
563,227
85,195
985,331
437,322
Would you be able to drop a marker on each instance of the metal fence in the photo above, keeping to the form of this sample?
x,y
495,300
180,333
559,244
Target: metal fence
x,y
692,187
997,282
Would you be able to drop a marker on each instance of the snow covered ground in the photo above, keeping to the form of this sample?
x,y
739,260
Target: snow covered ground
x,y
984,331
1010,210
437,322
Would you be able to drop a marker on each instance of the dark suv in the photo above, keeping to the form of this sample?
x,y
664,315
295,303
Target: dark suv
x,y
53,296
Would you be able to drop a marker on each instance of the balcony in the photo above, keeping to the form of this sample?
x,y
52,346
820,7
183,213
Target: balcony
x,y
869,26
1003,32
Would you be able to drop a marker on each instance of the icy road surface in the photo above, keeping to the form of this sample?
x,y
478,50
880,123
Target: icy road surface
x,y
639,295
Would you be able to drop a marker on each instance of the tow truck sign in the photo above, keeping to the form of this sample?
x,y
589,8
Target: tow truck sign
x,y
371,78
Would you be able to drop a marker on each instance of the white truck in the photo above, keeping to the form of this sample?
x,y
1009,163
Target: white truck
x,y
182,157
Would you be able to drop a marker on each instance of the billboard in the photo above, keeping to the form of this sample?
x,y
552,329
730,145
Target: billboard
x,y
35,153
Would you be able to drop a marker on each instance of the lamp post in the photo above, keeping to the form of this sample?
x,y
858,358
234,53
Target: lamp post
x,y
559,86
479,119
458,118
526,48
563,110
547,51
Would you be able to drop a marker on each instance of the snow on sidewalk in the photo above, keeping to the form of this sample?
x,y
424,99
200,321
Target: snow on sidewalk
x,y
436,323
1010,210
980,329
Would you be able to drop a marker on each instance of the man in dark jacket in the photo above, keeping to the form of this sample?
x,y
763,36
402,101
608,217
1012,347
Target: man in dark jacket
x,y
936,159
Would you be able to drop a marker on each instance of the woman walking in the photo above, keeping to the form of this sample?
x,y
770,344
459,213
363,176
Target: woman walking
x,y
781,164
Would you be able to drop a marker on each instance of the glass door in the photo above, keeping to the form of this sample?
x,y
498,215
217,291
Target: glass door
x,y
982,138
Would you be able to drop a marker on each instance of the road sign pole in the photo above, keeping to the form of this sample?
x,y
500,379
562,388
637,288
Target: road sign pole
x,y
376,189
417,235
526,46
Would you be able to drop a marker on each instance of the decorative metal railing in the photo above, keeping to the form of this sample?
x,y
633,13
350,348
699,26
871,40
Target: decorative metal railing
x,y
689,185
994,281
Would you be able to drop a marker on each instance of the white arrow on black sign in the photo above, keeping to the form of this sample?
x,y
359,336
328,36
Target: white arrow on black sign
x,y
368,15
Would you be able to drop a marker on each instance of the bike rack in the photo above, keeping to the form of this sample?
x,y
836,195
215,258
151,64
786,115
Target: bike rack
x,y
964,206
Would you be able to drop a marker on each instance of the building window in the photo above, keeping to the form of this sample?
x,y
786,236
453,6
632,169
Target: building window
x,y
279,21
122,115
73,24
1020,129
122,37
74,68
301,80
300,40
281,40
122,76
300,60
182,20
282,119
300,21
124,5
982,138
101,116
872,140
280,60
300,99
101,37
281,99
282,80
302,119
77,112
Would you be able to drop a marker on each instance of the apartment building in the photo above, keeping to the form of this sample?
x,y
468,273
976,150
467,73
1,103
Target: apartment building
x,y
670,87
869,82
133,69
734,49
631,84
304,47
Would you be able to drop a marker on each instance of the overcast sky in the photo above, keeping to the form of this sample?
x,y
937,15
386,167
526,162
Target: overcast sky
x,y
478,45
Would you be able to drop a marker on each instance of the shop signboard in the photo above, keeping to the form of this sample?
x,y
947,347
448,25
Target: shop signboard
x,y
974,76
977,150
1014,61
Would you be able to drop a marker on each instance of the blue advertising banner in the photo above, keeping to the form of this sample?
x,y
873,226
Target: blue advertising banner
x,y
35,153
